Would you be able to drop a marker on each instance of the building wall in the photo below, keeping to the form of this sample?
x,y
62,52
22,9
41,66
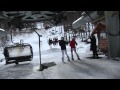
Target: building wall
x,y
112,27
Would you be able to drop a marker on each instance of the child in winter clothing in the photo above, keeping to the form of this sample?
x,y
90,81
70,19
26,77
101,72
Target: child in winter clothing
x,y
73,44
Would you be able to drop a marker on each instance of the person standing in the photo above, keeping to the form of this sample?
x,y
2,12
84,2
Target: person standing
x,y
62,44
50,42
73,44
93,46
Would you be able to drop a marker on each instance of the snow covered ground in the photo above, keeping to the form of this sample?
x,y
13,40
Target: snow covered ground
x,y
86,68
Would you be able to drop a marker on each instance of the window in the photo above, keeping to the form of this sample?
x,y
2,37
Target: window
x,y
103,35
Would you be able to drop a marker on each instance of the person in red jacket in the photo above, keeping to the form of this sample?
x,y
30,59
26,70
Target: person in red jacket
x,y
73,44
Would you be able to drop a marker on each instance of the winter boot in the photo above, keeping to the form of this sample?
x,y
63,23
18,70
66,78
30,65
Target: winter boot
x,y
73,59
68,59
79,58
97,55
62,59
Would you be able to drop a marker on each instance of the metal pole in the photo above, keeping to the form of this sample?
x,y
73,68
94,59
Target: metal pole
x,y
40,52
11,35
89,15
119,33
41,66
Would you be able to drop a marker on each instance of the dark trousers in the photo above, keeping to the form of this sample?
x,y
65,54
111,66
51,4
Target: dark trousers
x,y
74,49
95,53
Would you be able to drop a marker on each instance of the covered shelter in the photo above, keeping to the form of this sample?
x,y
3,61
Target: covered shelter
x,y
100,30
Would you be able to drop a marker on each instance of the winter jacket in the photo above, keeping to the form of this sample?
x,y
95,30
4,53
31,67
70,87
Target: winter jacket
x,y
62,43
93,43
73,44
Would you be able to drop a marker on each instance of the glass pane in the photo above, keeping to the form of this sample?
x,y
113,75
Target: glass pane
x,y
103,35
